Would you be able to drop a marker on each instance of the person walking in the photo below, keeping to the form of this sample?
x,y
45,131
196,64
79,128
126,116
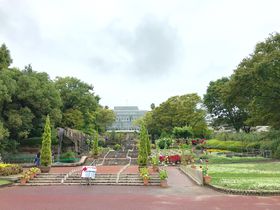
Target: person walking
x,y
37,159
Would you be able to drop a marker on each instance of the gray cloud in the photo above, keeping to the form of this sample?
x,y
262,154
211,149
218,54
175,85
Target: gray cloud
x,y
155,48
18,26
152,49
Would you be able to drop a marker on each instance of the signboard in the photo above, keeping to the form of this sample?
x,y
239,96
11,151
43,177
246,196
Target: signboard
x,y
88,172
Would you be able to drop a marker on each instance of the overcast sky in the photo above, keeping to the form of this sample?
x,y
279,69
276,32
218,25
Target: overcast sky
x,y
136,52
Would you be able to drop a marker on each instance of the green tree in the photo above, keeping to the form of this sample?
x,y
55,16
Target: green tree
x,y
5,58
46,152
3,132
73,118
222,106
104,117
177,111
37,92
143,153
77,95
255,83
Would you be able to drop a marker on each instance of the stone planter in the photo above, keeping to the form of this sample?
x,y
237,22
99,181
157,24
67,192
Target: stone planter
x,y
163,183
45,169
206,179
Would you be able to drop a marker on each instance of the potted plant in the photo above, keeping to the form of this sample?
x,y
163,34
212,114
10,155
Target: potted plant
x,y
24,178
31,174
144,173
206,177
34,171
155,162
46,153
163,178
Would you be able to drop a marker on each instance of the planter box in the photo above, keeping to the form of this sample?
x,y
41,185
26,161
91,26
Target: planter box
x,y
45,169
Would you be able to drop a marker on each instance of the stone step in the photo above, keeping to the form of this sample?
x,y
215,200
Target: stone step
x,y
91,183
100,179
44,181
49,176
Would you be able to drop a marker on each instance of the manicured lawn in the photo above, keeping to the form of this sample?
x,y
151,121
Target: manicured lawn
x,y
4,182
246,176
221,159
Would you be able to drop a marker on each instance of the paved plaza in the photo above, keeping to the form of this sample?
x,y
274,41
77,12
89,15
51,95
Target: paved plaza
x,y
182,193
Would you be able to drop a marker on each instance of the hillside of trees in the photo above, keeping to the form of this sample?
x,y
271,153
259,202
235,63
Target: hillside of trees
x,y
28,96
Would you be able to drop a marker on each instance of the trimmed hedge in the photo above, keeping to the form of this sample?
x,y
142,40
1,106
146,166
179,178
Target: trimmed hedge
x,y
239,146
31,142
235,146
68,155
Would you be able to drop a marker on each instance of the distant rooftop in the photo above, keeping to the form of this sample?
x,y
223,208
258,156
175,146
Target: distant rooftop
x,y
132,108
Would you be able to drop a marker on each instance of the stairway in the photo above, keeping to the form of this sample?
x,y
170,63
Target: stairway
x,y
100,179
110,179
46,179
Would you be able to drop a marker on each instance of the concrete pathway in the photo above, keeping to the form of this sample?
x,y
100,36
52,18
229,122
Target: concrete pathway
x,y
124,198
179,183
182,193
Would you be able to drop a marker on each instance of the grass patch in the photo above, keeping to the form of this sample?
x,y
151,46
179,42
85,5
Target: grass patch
x,y
222,159
2,182
246,176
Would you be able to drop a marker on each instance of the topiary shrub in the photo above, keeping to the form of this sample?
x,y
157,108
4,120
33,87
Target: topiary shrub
x,y
143,153
46,152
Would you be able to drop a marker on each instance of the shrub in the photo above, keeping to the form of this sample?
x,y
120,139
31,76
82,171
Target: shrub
x,y
253,145
235,146
143,153
101,143
95,144
9,169
163,174
8,146
164,143
277,152
46,153
266,145
182,132
68,155
31,142
144,173
155,160
117,147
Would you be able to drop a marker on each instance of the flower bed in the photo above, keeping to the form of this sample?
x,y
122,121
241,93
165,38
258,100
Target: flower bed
x,y
170,159
251,176
9,169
